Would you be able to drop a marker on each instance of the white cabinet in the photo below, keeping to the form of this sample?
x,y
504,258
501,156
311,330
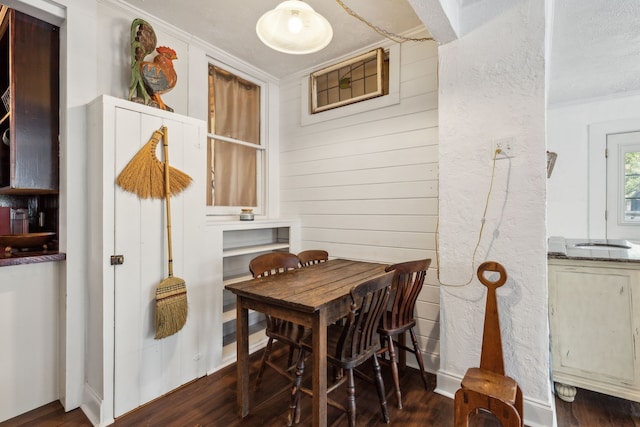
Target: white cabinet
x,y
595,319
126,366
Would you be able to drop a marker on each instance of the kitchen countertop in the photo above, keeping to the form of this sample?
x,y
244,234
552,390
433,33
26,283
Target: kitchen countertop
x,y
31,257
593,249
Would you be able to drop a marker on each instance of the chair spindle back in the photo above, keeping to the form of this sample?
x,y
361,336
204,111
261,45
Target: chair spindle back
x,y
407,284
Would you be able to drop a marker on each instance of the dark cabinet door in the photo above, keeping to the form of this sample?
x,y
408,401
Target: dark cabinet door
x,y
33,63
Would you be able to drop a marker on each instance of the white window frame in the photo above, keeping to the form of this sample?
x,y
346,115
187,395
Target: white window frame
x,y
597,193
376,54
618,226
262,149
392,98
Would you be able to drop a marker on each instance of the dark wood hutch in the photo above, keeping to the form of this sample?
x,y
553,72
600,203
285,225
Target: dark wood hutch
x,y
29,128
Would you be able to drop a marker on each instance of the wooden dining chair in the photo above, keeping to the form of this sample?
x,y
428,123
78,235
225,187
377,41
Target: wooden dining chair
x,y
487,387
312,256
350,345
277,329
408,280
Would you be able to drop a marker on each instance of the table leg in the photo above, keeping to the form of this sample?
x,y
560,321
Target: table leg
x,y
319,329
242,355
402,354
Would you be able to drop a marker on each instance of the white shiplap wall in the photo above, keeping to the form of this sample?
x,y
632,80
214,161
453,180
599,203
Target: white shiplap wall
x,y
365,186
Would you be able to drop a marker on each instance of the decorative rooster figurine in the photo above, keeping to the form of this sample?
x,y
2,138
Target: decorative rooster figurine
x,y
159,76
150,79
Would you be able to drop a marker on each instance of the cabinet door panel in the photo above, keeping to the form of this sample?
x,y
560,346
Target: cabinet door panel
x,y
592,315
146,368
34,95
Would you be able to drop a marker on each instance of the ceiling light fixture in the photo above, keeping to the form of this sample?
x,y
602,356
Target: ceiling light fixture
x,y
294,27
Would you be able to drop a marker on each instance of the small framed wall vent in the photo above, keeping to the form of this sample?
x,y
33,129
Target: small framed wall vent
x,y
353,80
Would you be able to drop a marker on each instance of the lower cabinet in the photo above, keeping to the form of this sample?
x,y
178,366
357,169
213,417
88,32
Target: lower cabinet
x,y
594,311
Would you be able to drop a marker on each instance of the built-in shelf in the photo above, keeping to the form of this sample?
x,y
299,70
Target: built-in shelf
x,y
236,279
230,313
247,250
240,244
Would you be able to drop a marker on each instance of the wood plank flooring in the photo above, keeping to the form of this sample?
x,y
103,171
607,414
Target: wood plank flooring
x,y
211,402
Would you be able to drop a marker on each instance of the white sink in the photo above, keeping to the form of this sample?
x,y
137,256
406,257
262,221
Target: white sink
x,y
605,246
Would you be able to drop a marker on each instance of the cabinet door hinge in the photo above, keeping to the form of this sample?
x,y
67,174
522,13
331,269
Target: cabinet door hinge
x,y
117,259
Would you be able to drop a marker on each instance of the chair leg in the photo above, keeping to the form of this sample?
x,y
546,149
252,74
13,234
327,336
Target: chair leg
x,y
263,363
402,354
519,405
294,405
380,386
290,358
418,353
394,371
382,353
506,413
351,398
468,401
461,410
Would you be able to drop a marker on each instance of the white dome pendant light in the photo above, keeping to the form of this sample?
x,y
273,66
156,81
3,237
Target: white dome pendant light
x,y
294,27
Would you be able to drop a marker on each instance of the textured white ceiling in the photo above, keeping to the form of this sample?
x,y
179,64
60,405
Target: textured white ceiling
x,y
595,49
230,26
595,43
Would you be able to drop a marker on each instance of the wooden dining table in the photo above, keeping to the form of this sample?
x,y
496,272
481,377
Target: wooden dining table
x,y
313,296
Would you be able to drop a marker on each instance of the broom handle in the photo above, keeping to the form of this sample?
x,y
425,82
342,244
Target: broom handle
x,y
167,194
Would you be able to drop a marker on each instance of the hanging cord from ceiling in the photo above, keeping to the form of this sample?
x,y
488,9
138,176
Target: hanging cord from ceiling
x,y
391,36
482,222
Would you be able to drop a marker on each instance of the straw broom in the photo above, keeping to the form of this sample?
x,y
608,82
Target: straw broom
x,y
144,175
171,293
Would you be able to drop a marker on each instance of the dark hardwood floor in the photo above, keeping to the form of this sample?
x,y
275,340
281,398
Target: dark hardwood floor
x,y
211,401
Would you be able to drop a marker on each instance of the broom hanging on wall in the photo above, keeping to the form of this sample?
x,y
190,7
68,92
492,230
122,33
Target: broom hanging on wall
x,y
148,177
144,174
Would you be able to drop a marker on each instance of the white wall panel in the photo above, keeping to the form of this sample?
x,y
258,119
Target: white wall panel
x,y
371,222
365,185
364,207
411,240
351,192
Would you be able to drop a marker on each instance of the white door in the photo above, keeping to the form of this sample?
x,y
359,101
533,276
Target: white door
x,y
146,368
623,186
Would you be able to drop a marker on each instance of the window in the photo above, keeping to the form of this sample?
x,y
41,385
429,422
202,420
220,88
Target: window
x,y
363,77
623,185
632,185
355,96
235,152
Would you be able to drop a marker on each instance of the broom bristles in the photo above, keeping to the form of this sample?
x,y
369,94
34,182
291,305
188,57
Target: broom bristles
x,y
144,174
171,307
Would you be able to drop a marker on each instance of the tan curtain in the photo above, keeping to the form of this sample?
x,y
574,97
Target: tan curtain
x,y
236,114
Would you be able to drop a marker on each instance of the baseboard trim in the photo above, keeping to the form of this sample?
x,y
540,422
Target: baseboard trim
x,y
92,407
536,413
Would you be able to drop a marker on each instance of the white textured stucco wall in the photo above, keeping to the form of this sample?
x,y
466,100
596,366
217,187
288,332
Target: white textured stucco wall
x,y
492,87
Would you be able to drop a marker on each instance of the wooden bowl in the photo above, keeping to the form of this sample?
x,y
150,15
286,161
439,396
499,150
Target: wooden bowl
x,y
25,241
